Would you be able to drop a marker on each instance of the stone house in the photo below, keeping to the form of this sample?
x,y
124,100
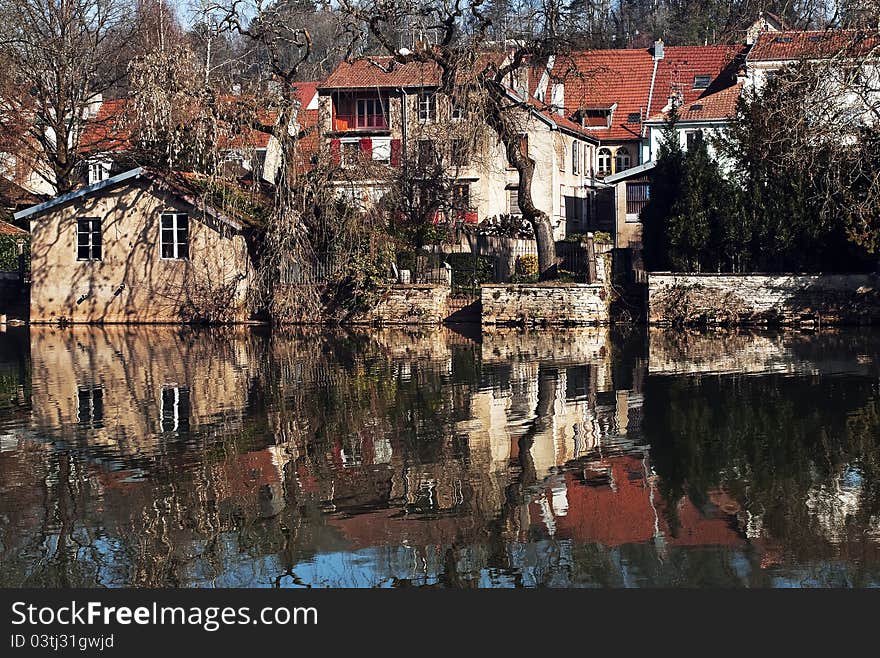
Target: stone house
x,y
141,246
385,115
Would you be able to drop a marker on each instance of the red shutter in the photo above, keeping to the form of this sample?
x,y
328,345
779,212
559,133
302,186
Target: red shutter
x,y
367,148
335,152
395,152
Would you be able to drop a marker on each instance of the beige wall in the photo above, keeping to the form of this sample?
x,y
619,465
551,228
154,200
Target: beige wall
x,y
156,290
628,235
488,171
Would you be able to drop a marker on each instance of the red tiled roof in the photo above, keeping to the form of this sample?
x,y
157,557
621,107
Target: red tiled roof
x,y
601,78
384,72
8,229
628,513
679,66
718,105
106,131
381,72
795,45
310,143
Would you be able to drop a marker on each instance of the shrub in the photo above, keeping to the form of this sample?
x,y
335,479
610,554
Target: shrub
x,y
527,267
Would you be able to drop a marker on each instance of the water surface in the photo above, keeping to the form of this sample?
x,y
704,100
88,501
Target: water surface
x,y
177,456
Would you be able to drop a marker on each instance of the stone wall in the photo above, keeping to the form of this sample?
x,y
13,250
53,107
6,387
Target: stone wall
x,y
545,303
717,299
417,303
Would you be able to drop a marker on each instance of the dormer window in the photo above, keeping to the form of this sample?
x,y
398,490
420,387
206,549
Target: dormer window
x,y
596,117
782,40
98,170
702,81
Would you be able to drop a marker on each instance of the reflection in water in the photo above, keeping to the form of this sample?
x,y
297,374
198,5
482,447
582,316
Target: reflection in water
x,y
170,456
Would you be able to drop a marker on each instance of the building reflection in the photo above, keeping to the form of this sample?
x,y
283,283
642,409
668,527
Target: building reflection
x,y
158,456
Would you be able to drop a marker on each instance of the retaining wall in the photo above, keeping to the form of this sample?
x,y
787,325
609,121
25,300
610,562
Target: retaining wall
x,y
762,298
417,303
544,303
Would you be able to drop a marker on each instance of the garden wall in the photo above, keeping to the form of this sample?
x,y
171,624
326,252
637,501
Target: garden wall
x,y
716,299
544,303
417,303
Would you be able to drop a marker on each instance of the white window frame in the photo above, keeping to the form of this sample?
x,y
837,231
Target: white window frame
x,y
370,118
427,106
175,407
175,229
348,161
98,171
575,157
381,150
604,153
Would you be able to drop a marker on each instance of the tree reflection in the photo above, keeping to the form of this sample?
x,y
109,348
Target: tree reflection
x,y
401,458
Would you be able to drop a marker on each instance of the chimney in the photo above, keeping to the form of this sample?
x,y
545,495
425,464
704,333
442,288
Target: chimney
x,y
658,49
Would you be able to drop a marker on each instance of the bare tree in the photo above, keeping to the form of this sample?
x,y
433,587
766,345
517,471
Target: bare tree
x,y
61,54
461,40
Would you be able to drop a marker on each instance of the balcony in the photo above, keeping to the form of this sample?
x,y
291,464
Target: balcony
x,y
346,122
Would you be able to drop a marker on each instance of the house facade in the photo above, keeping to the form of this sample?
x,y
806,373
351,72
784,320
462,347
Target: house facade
x,y
137,247
621,98
378,119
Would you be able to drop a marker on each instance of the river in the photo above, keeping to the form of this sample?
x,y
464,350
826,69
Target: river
x,y
238,457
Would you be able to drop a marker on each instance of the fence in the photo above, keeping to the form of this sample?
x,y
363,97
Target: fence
x,y
473,261
464,265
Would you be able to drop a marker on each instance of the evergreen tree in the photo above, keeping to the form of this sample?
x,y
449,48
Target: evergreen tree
x,y
666,184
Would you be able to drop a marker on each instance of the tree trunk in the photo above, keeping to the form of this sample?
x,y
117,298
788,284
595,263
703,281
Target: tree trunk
x,y
516,147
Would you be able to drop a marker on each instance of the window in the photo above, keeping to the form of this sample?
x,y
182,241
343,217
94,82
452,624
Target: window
x,y
427,153
634,117
693,138
427,106
458,152
88,239
575,157
513,201
622,159
174,410
461,197
90,407
371,113
382,150
702,81
637,195
98,171
351,151
459,112
603,162
174,235
588,159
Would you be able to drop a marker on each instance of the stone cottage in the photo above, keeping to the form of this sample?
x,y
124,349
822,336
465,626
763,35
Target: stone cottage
x,y
142,246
